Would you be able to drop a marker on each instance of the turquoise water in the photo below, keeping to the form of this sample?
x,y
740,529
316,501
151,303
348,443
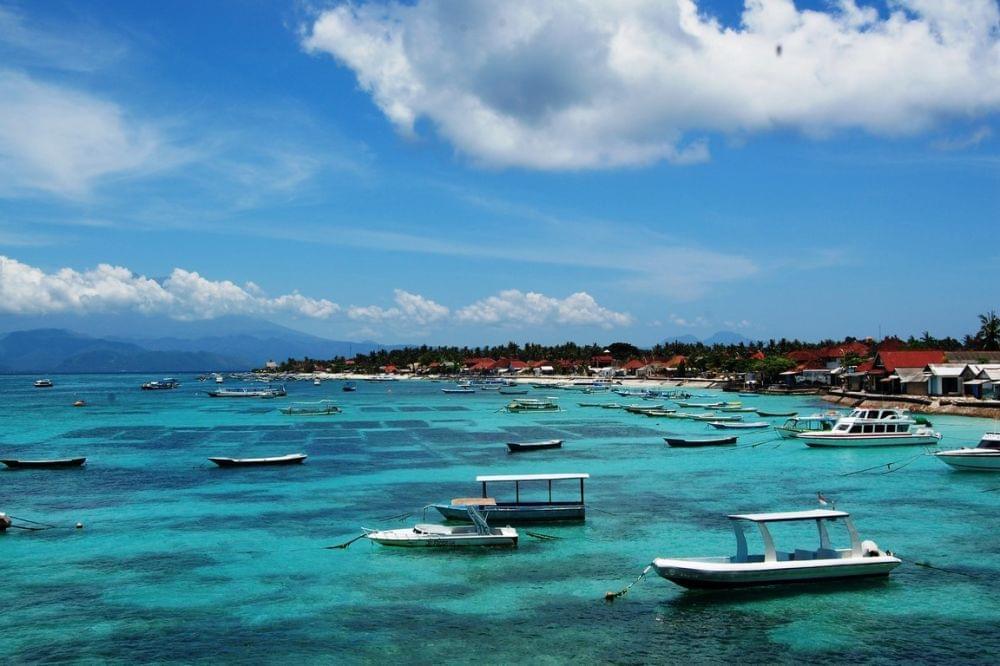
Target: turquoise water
x,y
183,562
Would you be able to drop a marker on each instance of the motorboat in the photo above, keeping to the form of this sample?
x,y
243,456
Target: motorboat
x,y
447,536
769,414
165,384
317,381
349,387
43,383
247,392
756,425
642,409
521,447
317,408
56,463
984,457
290,459
873,427
218,378
660,413
532,405
791,428
687,442
591,404
459,390
520,510
774,567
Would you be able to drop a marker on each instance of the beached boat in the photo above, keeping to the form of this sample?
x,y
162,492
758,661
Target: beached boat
x,y
384,378
349,387
766,414
873,427
460,390
317,408
520,447
55,463
247,392
724,425
774,567
984,457
165,384
290,459
791,428
532,405
520,511
699,441
43,383
447,536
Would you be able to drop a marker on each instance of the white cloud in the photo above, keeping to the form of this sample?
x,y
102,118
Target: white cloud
x,y
514,307
684,322
410,309
590,83
62,141
184,294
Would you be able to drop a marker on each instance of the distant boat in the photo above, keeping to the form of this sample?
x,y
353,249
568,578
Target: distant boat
x,y
79,403
699,441
290,459
460,390
513,391
44,464
737,410
318,408
532,405
717,418
520,510
245,392
164,384
349,387
317,382
984,457
384,378
218,379
43,383
765,414
520,447
5,522
757,425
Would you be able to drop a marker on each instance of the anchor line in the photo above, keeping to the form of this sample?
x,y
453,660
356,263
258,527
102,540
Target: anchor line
x,y
886,465
611,596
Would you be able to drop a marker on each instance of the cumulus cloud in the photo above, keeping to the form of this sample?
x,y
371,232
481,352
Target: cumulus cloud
x,y
184,294
685,322
63,141
410,308
516,307
590,83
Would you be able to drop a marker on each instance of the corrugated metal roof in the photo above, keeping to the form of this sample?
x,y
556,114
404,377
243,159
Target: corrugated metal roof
x,y
946,370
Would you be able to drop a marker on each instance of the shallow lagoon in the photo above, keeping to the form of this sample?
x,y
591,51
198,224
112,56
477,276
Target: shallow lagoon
x,y
183,562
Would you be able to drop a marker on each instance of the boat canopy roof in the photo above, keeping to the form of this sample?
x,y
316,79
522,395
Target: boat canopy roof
x,y
529,477
814,514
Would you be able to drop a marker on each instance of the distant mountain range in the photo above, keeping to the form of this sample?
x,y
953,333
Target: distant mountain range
x,y
155,344
717,338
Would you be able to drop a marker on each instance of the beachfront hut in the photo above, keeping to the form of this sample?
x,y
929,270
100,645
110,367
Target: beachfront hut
x,y
944,378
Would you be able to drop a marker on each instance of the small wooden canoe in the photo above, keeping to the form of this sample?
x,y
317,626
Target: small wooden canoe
x,y
460,391
290,459
520,447
699,441
722,425
761,412
44,464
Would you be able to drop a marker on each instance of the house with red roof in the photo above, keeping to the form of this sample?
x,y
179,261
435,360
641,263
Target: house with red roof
x,y
632,367
902,372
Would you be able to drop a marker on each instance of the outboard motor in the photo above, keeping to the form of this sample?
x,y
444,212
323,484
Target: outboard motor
x,y
870,549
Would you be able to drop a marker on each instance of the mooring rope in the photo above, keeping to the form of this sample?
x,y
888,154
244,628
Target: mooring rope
x,y
346,544
928,565
611,596
886,465
543,537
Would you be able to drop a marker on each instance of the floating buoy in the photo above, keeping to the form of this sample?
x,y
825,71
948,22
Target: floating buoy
x,y
79,526
79,403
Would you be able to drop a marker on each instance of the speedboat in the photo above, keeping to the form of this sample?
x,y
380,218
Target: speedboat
x,y
873,427
446,536
290,459
791,428
774,567
43,383
984,457
164,384
520,510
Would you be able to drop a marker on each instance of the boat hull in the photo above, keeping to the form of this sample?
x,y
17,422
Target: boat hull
x,y
680,442
865,441
515,447
699,575
518,514
506,538
44,464
988,462
259,462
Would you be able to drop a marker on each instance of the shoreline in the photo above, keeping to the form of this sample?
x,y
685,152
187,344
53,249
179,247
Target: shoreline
x,y
985,409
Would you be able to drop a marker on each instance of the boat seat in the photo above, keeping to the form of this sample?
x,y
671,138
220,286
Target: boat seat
x,y
474,501
804,554
432,529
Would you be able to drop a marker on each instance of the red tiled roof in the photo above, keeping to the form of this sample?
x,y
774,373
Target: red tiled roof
x,y
758,355
802,355
538,364
485,364
866,366
675,361
518,365
842,350
634,364
389,368
891,360
891,344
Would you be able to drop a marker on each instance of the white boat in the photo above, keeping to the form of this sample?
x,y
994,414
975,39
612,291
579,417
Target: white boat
x,y
317,382
873,427
774,567
43,383
722,425
479,533
317,408
984,457
218,379
384,378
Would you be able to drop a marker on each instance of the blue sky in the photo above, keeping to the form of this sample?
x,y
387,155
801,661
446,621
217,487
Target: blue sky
x,y
491,171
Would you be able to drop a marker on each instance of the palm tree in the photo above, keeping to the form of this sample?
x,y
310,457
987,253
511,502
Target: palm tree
x,y
989,331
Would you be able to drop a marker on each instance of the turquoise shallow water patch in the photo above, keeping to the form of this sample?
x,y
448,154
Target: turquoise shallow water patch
x,y
183,562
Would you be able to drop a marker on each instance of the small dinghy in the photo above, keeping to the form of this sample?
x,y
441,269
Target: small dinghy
x,y
756,425
290,459
57,463
765,414
520,447
479,533
459,391
699,441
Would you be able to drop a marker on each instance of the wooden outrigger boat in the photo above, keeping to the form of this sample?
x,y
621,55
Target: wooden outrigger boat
x,y
520,447
531,405
447,536
774,567
462,390
717,418
757,425
290,459
316,408
246,392
699,441
520,511
766,414
57,463
513,391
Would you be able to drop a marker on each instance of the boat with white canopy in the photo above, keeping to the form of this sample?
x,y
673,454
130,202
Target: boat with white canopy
x,y
791,428
447,536
984,457
532,405
315,408
548,509
775,567
873,427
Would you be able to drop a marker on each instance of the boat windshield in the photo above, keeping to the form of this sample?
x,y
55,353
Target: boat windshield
x,y
989,442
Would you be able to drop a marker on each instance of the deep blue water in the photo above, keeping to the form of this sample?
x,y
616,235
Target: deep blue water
x,y
183,562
